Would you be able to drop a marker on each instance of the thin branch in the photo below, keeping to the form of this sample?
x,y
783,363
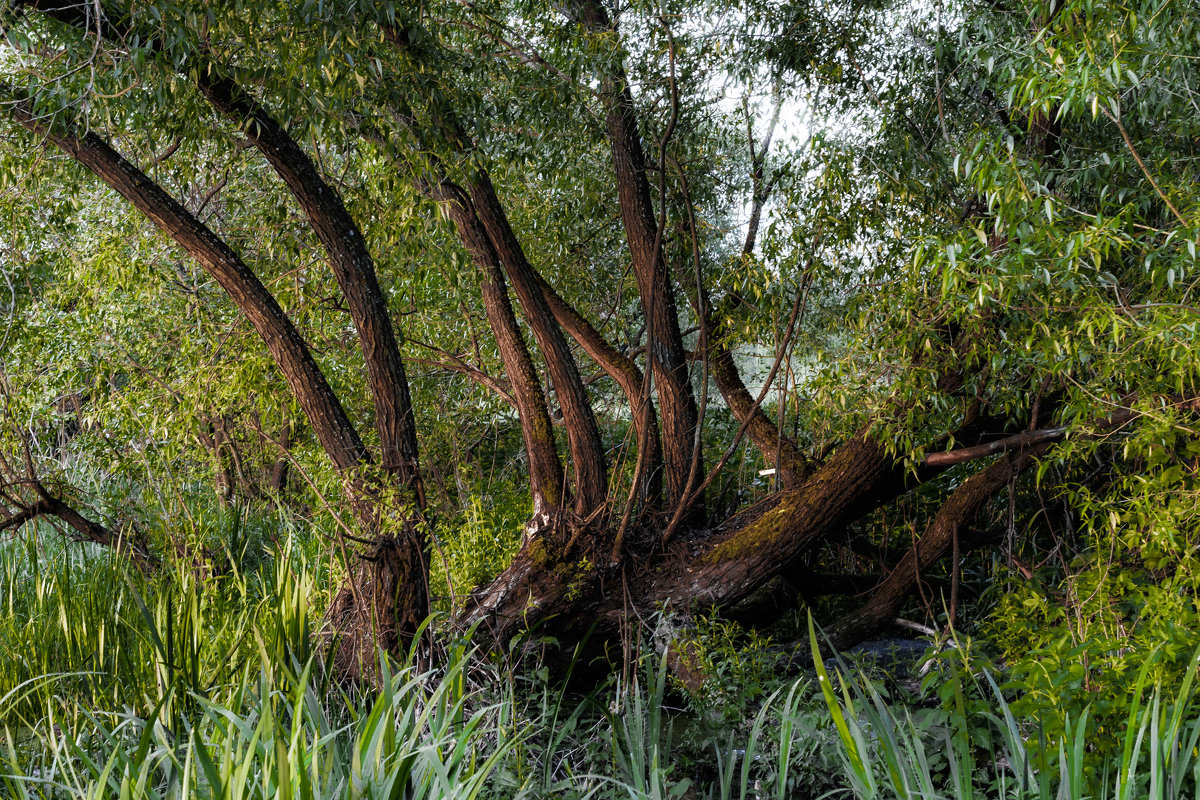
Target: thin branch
x,y
797,309
1136,157
1020,441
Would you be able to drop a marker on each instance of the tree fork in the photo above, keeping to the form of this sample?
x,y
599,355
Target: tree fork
x,y
545,469
332,426
583,435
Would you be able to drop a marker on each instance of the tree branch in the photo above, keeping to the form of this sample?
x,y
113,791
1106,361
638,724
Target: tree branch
x,y
329,420
940,535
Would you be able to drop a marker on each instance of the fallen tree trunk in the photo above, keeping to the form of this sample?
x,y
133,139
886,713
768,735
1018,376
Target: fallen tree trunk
x,y
567,589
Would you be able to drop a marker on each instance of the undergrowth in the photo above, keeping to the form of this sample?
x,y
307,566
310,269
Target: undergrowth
x,y
205,678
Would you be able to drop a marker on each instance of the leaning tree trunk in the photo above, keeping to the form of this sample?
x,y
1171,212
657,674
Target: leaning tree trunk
x,y
402,611
664,346
570,592
545,469
369,487
938,538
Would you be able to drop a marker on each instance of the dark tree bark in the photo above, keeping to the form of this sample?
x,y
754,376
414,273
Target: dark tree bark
x,y
352,266
562,582
25,498
322,407
545,469
85,529
277,481
481,201
405,593
394,570
777,449
625,372
962,504
697,571
583,435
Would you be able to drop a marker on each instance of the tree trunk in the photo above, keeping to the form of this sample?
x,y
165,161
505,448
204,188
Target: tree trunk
x,y
934,543
583,435
481,202
352,266
777,449
569,591
545,469
283,341
334,431
676,401
277,480
625,372
349,258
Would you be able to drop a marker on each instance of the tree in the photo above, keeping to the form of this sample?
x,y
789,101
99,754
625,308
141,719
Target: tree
x,y
966,261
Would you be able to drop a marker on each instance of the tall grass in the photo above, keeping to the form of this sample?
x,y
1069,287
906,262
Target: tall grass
x,y
417,738
885,754
203,680
78,622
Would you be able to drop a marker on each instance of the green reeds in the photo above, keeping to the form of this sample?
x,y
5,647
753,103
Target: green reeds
x,y
418,738
201,682
884,754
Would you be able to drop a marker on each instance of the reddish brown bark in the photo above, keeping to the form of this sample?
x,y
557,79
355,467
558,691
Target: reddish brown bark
x,y
571,584
625,372
934,543
583,435
351,263
545,469
481,201
777,449
349,258
45,504
90,530
761,541
391,623
287,347
569,591
669,366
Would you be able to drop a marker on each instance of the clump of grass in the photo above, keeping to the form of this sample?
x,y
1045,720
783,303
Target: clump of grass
x,y
205,682
81,623
418,737
886,754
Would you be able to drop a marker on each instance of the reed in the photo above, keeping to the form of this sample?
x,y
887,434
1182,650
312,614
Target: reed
x,y
205,680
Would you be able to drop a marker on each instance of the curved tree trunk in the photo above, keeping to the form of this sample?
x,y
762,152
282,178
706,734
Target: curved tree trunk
x,y
669,366
322,407
568,591
777,449
545,468
562,582
352,266
583,435
402,610
625,372
391,622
